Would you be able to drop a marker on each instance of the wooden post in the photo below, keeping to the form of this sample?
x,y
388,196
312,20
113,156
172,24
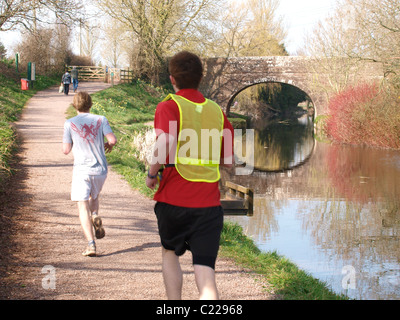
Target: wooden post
x,y
16,61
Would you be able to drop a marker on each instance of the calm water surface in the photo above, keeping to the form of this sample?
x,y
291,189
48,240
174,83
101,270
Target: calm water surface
x,y
332,210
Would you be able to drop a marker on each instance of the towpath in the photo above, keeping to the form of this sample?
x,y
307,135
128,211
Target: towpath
x,y
45,240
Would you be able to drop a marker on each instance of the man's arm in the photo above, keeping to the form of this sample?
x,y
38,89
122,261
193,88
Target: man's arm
x,y
160,154
111,142
67,147
67,140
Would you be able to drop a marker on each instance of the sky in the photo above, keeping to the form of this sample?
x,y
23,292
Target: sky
x,y
299,17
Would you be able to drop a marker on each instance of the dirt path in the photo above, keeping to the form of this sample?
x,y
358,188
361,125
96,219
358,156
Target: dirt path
x,y
44,241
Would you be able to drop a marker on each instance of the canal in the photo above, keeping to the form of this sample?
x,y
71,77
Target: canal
x,y
333,210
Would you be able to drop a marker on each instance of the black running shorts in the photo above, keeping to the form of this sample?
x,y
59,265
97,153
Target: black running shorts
x,y
194,229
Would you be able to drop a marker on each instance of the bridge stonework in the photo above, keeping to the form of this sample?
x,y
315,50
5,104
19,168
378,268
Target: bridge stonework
x,y
225,78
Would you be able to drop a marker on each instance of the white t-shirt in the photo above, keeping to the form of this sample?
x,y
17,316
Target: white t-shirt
x,y
86,132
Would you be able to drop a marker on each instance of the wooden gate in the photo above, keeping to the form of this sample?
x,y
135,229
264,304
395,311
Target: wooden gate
x,y
90,73
110,75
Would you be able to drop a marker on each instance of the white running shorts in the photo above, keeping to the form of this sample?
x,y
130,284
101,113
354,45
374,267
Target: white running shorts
x,y
85,186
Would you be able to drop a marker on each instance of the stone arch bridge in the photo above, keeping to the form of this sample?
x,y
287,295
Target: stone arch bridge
x,y
225,78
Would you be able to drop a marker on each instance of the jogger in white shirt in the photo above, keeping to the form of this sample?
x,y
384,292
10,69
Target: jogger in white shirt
x,y
84,135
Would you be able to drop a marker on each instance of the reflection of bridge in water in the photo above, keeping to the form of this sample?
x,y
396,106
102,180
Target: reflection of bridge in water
x,y
292,183
278,149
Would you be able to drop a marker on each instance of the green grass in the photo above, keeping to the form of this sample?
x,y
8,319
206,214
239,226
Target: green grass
x,y
125,161
12,101
128,104
238,120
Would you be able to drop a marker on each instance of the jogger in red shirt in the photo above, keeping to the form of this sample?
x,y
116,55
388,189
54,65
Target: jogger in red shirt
x,y
188,211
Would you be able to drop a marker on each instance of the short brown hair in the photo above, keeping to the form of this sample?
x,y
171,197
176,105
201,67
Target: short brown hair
x,y
82,101
187,70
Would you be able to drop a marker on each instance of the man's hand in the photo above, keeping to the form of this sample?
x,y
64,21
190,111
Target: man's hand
x,y
111,142
107,147
151,183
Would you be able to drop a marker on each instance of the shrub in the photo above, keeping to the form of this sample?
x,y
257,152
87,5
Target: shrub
x,y
365,115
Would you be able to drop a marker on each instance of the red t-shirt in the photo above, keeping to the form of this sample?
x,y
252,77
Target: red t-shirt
x,y
174,189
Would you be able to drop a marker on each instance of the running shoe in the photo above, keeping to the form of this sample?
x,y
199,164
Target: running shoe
x,y
90,251
98,227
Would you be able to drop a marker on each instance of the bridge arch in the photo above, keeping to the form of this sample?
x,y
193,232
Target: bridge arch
x,y
289,82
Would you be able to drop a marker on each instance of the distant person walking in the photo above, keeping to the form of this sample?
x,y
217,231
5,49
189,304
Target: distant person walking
x,y
84,135
66,81
74,76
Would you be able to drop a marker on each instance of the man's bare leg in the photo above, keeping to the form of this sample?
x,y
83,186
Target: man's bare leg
x,y
172,274
94,205
205,280
85,218
96,220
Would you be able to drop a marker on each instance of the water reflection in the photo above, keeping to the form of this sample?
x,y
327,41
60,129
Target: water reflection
x,y
341,208
279,145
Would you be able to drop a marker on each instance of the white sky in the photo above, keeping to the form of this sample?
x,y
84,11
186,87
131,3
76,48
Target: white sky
x,y
299,16
9,39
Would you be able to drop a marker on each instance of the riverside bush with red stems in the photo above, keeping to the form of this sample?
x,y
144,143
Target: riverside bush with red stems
x,y
365,115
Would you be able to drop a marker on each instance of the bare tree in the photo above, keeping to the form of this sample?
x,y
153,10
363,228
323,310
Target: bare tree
x,y
263,32
49,48
113,43
157,25
358,31
36,48
89,40
378,32
246,28
30,13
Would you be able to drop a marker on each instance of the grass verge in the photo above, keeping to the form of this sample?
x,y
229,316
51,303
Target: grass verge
x,y
127,107
12,101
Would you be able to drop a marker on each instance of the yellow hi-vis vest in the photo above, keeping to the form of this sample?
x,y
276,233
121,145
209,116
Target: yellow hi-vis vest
x,y
198,150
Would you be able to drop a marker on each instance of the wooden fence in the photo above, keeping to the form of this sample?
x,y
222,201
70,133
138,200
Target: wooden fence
x,y
126,75
110,75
